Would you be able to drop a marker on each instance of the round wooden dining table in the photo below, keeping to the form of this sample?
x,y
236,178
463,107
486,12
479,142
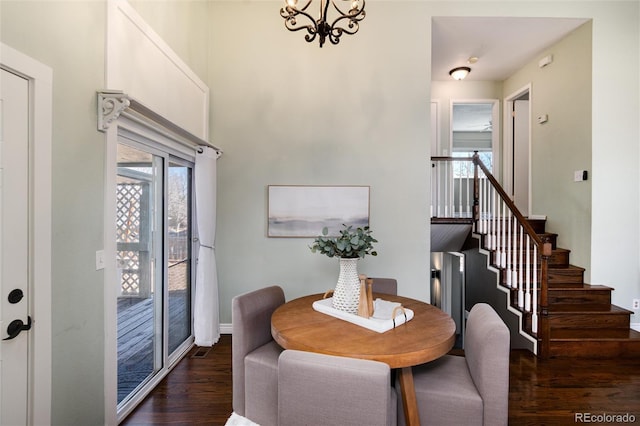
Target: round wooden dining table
x,y
429,335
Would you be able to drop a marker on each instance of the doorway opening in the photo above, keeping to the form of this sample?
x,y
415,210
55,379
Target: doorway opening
x,y
517,148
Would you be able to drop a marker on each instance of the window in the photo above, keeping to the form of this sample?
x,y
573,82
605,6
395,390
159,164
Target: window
x,y
472,131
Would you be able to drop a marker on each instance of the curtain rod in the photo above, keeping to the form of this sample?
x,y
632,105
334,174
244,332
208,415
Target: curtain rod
x,y
112,103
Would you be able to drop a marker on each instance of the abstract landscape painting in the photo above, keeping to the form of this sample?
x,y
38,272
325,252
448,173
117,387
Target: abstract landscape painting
x,y
302,211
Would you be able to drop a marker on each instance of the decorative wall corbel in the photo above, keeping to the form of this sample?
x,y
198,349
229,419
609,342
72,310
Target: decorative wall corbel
x,y
110,106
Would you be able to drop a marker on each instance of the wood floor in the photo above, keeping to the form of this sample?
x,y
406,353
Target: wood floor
x,y
542,392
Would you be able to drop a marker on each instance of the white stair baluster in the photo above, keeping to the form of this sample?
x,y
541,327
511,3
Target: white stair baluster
x,y
509,249
438,192
447,167
503,234
486,206
527,293
450,186
534,315
481,202
469,177
461,177
493,217
497,247
514,253
520,283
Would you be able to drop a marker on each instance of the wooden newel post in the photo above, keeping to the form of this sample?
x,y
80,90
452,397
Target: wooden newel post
x,y
543,329
476,188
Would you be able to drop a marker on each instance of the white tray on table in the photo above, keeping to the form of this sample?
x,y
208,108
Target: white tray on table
x,y
375,324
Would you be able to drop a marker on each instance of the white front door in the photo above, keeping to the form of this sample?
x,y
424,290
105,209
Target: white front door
x,y
14,248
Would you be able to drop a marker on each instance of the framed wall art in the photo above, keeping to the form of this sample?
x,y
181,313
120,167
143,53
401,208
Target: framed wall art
x,y
302,211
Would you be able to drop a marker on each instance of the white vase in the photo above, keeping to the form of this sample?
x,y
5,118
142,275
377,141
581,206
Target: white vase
x,y
346,295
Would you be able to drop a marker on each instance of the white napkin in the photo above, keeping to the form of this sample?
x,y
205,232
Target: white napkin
x,y
383,309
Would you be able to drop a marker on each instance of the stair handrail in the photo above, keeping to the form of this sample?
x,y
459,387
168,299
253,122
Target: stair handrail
x,y
519,216
544,248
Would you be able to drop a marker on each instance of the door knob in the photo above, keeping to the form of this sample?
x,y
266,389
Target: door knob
x,y
15,296
16,326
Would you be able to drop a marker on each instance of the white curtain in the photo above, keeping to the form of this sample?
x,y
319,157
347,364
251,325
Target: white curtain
x,y
206,310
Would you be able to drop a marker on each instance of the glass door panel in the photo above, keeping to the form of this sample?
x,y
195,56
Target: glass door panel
x,y
179,252
139,259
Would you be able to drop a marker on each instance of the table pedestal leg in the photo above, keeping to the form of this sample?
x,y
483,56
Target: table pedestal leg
x,y
409,402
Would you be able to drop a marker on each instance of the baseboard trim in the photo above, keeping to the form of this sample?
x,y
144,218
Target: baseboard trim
x,y
635,326
226,328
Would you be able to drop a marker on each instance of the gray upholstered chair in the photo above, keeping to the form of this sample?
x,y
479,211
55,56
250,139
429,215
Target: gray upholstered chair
x,y
255,355
317,389
469,390
385,285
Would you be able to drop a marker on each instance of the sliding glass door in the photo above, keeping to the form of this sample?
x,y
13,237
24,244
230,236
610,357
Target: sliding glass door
x,y
154,256
180,263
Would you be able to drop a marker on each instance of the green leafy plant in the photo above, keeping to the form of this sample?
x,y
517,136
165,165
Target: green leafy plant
x,y
352,243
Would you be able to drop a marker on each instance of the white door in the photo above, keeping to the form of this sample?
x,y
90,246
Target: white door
x,y
14,248
521,155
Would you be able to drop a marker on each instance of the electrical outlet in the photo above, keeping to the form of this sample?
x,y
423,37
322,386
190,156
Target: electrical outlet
x,y
636,304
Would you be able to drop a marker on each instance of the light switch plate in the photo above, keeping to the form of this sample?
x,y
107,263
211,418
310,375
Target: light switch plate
x,y
99,260
580,175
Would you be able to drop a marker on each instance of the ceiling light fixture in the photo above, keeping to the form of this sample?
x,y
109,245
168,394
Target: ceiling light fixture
x,y
321,27
459,73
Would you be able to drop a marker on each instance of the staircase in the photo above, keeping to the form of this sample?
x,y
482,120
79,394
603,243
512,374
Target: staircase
x,y
582,321
557,309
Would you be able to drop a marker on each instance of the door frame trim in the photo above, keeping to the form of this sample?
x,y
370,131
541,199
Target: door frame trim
x,y
40,78
507,141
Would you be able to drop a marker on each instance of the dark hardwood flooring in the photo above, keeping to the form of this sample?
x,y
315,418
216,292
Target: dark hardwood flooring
x,y
542,392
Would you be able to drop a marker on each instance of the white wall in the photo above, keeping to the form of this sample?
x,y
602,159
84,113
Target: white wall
x,y
288,112
562,90
615,232
68,37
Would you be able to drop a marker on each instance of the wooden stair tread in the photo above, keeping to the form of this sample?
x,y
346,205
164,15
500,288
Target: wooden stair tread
x,y
592,334
583,287
566,268
584,308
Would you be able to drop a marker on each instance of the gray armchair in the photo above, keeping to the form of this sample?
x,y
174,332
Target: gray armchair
x,y
255,355
316,389
469,390
385,285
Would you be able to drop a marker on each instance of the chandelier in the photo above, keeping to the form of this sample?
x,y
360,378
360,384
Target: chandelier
x,y
344,23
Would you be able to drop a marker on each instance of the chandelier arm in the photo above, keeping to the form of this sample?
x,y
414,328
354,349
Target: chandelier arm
x,y
352,27
354,16
351,12
290,13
